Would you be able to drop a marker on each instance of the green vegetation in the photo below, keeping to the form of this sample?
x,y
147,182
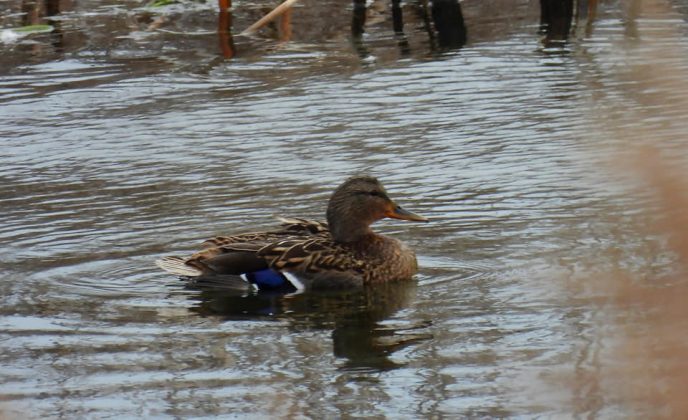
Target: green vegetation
x,y
33,29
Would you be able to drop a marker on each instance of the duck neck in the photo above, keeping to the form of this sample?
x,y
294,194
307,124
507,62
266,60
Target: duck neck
x,y
348,229
350,234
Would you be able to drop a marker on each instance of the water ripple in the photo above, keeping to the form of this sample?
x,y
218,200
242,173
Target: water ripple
x,y
110,161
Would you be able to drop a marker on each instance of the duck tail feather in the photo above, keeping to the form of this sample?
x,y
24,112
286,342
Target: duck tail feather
x,y
221,282
177,266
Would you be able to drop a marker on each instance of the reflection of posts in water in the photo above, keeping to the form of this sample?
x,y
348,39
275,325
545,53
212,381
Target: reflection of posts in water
x,y
557,17
630,22
397,17
284,28
449,23
423,11
224,25
398,26
587,11
358,19
32,12
35,11
224,29
447,28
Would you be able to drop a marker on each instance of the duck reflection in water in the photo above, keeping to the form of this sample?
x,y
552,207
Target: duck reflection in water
x,y
353,316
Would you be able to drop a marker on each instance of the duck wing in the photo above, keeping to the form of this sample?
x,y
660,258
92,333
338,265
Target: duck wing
x,y
292,228
319,254
239,254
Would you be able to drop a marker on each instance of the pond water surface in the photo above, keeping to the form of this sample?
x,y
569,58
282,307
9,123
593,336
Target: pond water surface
x,y
133,132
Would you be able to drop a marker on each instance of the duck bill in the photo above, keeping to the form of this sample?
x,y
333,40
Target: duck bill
x,y
397,212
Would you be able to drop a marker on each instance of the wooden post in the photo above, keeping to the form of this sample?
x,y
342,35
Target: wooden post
x,y
269,17
224,29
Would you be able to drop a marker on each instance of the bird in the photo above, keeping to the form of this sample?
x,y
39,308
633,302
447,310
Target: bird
x,y
303,254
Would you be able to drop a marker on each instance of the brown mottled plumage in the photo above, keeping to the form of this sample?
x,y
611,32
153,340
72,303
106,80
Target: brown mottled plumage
x,y
344,251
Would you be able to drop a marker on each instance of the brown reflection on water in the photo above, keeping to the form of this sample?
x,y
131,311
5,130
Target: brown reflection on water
x,y
652,313
636,354
356,318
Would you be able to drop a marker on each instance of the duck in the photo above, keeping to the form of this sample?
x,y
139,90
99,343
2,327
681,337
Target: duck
x,y
304,254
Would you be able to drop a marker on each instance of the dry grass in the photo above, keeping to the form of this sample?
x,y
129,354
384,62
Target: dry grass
x,y
637,357
651,316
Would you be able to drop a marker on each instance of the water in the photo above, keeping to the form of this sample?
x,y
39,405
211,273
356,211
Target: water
x,y
122,143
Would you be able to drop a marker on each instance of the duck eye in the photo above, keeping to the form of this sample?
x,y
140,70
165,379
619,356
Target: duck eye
x,y
371,193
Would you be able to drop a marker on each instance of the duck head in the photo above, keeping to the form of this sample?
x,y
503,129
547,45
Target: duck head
x,y
359,202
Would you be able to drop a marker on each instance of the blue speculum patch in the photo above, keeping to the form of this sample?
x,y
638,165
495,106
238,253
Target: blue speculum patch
x,y
269,279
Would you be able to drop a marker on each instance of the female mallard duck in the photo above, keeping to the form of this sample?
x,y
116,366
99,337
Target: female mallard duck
x,y
345,252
